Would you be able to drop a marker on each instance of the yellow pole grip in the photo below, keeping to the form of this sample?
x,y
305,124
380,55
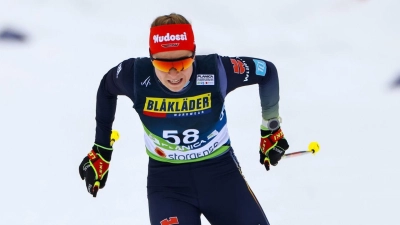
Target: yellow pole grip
x,y
114,137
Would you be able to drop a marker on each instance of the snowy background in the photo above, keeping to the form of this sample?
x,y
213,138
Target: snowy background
x,y
337,61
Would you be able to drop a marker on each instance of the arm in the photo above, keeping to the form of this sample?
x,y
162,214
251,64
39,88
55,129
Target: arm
x,y
94,167
244,71
117,81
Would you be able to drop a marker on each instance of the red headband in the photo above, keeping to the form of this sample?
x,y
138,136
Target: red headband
x,y
171,37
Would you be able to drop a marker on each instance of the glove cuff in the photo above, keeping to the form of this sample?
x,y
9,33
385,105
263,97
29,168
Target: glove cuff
x,y
103,152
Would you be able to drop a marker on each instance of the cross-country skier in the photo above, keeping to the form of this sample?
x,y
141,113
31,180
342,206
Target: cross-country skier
x,y
179,97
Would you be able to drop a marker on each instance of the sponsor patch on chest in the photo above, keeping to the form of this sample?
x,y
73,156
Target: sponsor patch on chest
x,y
205,79
178,107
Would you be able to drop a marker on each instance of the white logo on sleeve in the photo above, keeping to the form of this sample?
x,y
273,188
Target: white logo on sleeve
x,y
119,69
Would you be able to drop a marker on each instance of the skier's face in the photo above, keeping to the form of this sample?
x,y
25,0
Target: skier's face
x,y
165,64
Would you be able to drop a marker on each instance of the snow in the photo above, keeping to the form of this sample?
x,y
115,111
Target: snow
x,y
336,61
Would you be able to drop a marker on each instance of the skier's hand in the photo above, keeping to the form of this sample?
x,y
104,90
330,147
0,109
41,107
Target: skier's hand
x,y
94,168
273,145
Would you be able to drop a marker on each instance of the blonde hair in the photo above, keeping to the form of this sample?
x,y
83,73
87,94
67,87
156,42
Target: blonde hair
x,y
172,18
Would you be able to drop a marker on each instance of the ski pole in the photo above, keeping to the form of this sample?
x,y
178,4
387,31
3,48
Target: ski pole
x,y
313,148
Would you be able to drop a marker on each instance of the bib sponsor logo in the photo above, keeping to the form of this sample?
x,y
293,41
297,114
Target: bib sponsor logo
x,y
188,155
213,134
205,79
160,152
177,107
188,146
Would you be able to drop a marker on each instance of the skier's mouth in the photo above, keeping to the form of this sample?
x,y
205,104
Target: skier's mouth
x,y
175,82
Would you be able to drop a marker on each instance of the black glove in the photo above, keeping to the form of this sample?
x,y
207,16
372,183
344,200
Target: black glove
x,y
94,168
273,145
